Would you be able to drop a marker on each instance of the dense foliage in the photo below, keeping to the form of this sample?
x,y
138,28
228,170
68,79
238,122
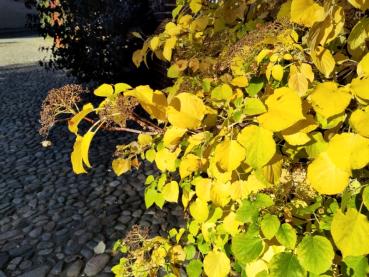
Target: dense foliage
x,y
95,39
263,139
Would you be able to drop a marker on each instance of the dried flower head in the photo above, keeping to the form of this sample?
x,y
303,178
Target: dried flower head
x,y
58,101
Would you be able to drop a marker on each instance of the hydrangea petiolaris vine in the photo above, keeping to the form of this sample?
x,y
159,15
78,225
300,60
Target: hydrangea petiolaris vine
x,y
263,139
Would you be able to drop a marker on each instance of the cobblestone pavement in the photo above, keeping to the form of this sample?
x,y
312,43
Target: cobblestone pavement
x,y
50,219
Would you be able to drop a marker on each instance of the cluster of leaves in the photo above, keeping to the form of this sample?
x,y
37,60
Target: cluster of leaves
x,y
263,139
94,39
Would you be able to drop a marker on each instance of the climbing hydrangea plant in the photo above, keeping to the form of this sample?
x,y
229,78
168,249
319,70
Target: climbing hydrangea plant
x,y
263,139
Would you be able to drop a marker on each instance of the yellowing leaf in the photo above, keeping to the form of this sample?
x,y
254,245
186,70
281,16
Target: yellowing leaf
x,y
254,106
222,92
195,140
240,81
359,121
153,102
166,160
169,45
297,139
76,119
85,146
360,4
349,151
307,70
284,110
172,29
170,192
363,66
297,81
326,177
186,111
229,154
189,164
76,156
306,12
219,193
323,60
199,210
277,72
285,10
173,136
263,53
104,90
195,5
328,100
356,41
138,57
350,232
154,43
121,166
144,139
259,144
203,188
216,264
231,224
359,86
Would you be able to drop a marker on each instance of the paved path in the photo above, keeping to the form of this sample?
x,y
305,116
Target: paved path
x,y
51,219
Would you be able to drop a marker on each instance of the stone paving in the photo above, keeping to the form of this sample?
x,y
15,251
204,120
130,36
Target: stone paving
x,y
50,219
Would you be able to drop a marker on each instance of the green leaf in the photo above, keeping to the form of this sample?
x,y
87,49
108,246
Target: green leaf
x,y
254,106
315,254
150,195
173,71
194,268
222,92
286,235
246,248
350,233
190,251
247,213
286,265
270,225
358,264
366,197
255,85
263,201
150,155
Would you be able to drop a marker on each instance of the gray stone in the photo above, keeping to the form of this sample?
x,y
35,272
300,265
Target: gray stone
x,y
57,268
25,264
37,272
9,234
35,232
96,264
2,274
74,269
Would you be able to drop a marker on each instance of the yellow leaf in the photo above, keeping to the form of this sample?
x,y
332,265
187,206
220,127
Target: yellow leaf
x,y
170,192
285,10
121,87
326,177
199,210
76,119
239,190
203,188
306,12
254,106
215,172
360,87
196,140
357,39
169,45
104,90
297,81
173,136
307,70
189,164
360,4
85,146
153,102
220,194
259,144
297,139
231,224
195,5
216,264
240,81
138,57
277,72
328,100
172,29
349,151
284,110
363,66
166,160
273,170
186,111
121,166
229,154
144,139
154,43
323,60
76,156
186,197
256,268
263,53
359,121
